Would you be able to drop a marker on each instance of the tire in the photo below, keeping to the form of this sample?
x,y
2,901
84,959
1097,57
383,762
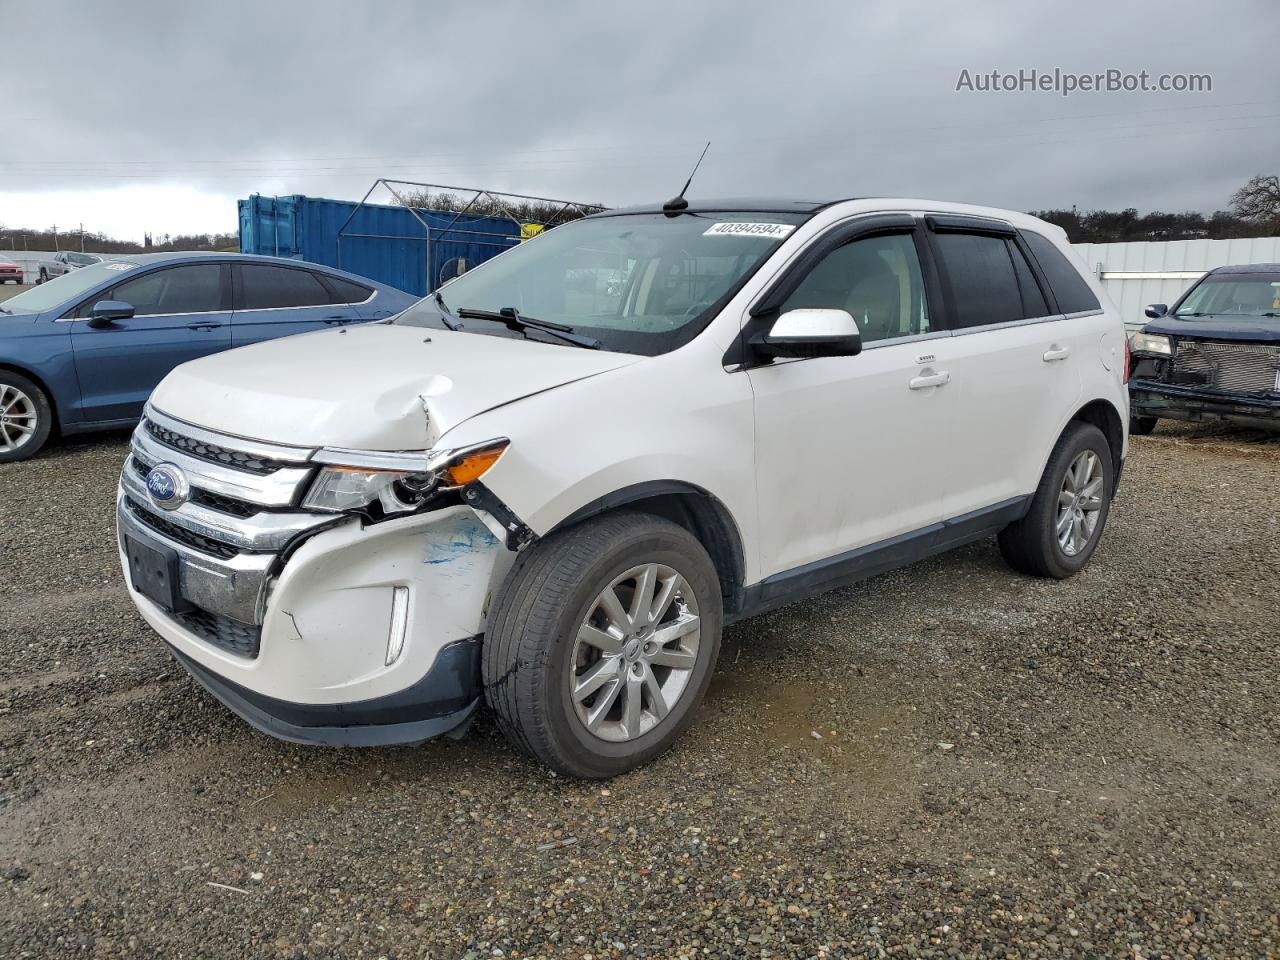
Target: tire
x,y
553,596
1141,426
22,405
1032,545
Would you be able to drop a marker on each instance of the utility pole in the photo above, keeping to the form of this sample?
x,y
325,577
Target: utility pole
x,y
82,238
56,248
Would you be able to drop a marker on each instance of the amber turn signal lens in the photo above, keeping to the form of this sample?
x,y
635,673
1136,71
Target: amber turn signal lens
x,y
473,466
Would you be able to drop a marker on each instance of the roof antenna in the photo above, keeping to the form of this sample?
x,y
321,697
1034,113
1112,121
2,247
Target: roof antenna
x,y
677,204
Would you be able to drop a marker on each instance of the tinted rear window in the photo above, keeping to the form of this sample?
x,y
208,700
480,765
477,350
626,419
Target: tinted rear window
x,y
264,287
1074,295
981,279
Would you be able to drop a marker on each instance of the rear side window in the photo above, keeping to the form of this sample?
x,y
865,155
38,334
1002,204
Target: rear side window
x,y
194,288
1074,295
980,276
262,287
347,292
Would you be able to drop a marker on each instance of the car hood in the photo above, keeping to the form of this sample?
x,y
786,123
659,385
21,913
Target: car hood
x,y
374,387
1216,327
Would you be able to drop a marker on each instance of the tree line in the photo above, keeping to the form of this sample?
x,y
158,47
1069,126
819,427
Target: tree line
x,y
30,238
1255,212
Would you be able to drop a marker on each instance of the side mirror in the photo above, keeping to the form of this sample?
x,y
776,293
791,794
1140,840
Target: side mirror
x,y
1156,310
802,334
107,312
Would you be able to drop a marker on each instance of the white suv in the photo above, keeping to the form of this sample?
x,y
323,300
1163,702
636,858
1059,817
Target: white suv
x,y
549,486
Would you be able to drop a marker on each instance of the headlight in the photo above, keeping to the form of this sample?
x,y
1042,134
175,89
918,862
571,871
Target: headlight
x,y
397,483
1150,343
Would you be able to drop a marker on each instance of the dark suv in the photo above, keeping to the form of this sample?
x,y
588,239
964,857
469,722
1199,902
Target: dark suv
x,y
1215,355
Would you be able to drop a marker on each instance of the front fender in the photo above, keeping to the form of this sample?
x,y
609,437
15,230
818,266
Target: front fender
x,y
679,417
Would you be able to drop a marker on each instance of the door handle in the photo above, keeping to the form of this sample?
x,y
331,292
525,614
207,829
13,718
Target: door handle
x,y
1056,353
926,381
204,326
333,321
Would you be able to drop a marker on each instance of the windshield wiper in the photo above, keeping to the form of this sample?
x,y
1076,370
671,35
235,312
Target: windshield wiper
x,y
445,316
510,316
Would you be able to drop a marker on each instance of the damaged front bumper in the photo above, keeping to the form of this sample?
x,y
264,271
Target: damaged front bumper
x,y
1149,398
314,628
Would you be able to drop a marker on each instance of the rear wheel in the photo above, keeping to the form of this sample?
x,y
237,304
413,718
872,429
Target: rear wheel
x,y
25,417
1069,511
602,644
1141,426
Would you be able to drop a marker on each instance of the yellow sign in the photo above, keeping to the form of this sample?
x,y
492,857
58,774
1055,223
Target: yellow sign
x,y
530,230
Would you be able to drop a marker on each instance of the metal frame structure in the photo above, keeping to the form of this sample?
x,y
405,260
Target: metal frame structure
x,y
433,235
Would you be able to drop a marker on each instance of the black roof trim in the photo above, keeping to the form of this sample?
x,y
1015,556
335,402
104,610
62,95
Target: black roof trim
x,y
1247,268
729,205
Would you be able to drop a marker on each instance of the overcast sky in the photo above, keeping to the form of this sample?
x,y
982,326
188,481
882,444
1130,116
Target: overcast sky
x,y
133,116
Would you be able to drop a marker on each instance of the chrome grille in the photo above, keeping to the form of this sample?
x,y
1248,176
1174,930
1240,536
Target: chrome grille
x,y
212,453
1252,368
207,498
215,548
240,514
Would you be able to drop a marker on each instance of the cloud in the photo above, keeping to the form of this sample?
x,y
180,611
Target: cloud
x,y
152,101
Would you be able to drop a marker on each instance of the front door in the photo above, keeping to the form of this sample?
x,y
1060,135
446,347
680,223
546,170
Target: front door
x,y
180,314
845,446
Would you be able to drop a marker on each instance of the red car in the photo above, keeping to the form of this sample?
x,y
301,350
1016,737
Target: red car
x,y
10,271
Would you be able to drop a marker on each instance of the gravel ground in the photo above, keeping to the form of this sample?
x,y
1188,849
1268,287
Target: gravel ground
x,y
949,760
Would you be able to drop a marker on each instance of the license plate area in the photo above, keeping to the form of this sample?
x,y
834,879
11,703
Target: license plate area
x,y
154,570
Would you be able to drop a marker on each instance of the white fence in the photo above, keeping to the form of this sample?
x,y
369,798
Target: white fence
x,y
1142,272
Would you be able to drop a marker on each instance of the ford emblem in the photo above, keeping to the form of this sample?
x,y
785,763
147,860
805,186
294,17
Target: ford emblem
x,y
167,486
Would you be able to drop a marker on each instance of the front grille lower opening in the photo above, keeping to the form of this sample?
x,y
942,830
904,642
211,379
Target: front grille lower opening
x,y
240,639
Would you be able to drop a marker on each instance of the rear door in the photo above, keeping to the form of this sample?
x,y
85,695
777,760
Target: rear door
x,y
180,313
277,301
1012,359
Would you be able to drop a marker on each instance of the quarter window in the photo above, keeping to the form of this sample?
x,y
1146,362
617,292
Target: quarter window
x,y
270,288
877,280
1070,289
193,288
347,292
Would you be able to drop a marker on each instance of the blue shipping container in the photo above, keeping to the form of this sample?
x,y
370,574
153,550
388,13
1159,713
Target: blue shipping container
x,y
385,243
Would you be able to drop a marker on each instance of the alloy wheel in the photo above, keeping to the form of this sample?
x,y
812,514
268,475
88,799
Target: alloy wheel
x,y
17,418
634,653
1079,503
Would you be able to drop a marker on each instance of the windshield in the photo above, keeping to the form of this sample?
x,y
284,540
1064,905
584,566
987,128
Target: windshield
x,y
1234,295
68,287
639,283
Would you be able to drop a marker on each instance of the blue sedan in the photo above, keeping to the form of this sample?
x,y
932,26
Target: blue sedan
x,y
84,351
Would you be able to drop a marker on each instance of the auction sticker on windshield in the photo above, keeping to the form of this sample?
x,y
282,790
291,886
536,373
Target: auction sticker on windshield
x,y
774,231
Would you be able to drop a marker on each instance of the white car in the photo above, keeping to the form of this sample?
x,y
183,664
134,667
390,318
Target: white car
x,y
70,260
550,495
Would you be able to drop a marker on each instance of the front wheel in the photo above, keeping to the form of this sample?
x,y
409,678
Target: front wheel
x,y
25,417
1069,511
602,643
